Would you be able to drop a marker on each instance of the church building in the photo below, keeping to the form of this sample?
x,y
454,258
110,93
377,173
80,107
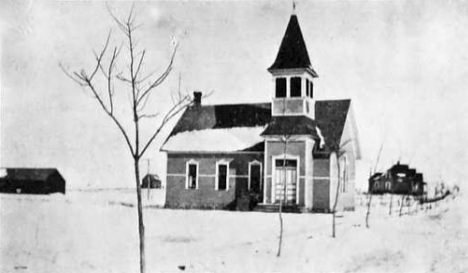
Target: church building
x,y
293,149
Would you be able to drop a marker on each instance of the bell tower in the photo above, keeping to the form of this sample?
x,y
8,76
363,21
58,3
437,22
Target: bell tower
x,y
293,75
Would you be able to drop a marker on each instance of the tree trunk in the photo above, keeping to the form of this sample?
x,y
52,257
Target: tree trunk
x,y
391,199
280,241
337,193
401,205
281,229
368,208
141,227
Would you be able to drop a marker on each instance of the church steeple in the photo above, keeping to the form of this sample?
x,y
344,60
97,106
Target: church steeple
x,y
293,75
293,51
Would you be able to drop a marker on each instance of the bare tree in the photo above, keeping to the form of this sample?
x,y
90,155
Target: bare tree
x,y
139,88
401,205
371,188
338,153
285,139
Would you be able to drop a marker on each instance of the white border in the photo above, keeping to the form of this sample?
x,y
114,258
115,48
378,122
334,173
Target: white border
x,y
218,163
255,162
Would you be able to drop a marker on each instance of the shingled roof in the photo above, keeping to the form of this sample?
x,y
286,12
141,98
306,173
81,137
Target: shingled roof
x,y
231,121
293,51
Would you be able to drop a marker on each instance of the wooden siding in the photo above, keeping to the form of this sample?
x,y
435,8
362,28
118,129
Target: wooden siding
x,y
321,186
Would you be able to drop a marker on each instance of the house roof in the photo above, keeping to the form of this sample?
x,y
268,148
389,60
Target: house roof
x,y
240,127
152,177
293,51
29,174
376,176
399,168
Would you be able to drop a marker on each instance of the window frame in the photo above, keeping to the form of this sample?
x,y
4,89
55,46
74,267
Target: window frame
x,y
292,84
187,174
277,80
218,163
258,163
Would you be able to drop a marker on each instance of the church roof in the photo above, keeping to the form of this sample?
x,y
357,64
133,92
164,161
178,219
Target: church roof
x,y
218,128
293,51
291,125
330,116
240,127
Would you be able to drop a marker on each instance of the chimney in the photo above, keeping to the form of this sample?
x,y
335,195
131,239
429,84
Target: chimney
x,y
197,95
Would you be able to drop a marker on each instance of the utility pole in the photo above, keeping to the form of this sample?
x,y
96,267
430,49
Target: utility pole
x,y
148,185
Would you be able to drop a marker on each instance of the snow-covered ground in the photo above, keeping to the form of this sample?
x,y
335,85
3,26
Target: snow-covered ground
x,y
96,231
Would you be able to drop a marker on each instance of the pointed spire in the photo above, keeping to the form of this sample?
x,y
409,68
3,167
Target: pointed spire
x,y
293,51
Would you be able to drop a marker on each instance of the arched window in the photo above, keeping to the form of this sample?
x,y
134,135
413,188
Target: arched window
x,y
376,185
388,185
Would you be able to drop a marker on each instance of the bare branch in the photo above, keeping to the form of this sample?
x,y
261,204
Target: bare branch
x,y
148,116
100,56
139,64
116,121
77,80
122,78
176,109
117,21
109,80
160,79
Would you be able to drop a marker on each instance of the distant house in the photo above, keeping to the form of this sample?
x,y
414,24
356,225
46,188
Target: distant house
x,y
151,181
31,181
399,179
216,154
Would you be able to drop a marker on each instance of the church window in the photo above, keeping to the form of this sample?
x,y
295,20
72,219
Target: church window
x,y
281,87
192,175
311,89
296,87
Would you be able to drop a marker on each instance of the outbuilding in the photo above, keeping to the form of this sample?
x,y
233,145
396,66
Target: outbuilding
x,y
31,181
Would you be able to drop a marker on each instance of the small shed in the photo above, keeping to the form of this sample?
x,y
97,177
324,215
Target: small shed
x,y
31,181
151,181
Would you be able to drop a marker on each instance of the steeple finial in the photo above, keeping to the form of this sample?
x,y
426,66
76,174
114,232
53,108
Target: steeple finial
x,y
294,7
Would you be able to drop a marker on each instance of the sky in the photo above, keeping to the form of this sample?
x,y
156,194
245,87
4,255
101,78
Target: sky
x,y
404,64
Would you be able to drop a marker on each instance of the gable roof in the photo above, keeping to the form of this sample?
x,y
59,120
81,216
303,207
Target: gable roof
x,y
293,51
30,174
330,116
240,127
